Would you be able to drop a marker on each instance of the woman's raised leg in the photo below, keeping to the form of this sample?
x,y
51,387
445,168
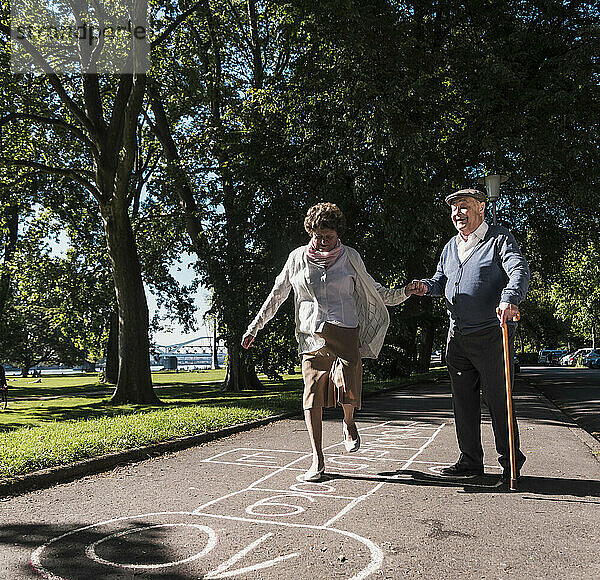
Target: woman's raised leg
x,y
351,436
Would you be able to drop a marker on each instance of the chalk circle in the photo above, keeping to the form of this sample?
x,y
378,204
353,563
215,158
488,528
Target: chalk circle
x,y
312,487
210,544
289,509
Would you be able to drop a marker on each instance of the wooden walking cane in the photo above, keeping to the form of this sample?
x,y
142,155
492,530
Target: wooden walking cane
x,y
509,404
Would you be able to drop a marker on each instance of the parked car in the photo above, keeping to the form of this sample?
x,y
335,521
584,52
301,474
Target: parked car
x,y
590,357
565,358
550,357
572,358
594,364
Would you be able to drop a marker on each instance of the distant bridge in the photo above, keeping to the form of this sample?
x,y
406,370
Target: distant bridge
x,y
196,352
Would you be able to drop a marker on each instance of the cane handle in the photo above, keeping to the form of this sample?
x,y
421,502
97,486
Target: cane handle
x,y
516,316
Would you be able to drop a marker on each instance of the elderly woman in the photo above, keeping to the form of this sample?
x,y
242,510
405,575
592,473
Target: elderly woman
x,y
340,317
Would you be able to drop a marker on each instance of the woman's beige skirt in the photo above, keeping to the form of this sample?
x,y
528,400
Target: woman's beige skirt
x,y
333,374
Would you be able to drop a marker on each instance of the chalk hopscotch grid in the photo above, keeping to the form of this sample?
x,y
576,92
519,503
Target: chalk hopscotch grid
x,y
277,470
256,484
355,502
261,456
364,458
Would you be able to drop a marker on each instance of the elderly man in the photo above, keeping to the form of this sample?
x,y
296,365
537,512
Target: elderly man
x,y
480,270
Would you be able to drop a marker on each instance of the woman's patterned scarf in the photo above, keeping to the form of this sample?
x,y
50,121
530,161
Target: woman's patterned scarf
x,y
323,259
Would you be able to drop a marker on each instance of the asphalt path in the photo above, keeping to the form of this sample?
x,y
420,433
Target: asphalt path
x,y
233,508
575,390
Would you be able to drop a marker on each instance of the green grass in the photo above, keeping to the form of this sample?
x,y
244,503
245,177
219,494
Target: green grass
x,y
37,433
61,385
59,443
60,398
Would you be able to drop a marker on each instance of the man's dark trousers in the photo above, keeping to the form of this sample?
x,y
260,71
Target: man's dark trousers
x,y
476,362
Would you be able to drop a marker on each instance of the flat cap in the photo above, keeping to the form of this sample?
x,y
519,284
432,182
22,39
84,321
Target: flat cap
x,y
474,193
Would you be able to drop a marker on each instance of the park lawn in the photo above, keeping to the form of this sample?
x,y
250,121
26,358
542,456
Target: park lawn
x,y
61,385
66,397
36,434
60,398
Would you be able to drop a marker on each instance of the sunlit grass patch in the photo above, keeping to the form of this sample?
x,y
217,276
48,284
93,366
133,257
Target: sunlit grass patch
x,y
62,442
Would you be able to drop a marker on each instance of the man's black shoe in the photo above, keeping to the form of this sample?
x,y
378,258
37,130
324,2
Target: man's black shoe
x,y
461,470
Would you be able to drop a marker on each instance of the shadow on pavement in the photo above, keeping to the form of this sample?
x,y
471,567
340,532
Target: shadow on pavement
x,y
546,486
66,558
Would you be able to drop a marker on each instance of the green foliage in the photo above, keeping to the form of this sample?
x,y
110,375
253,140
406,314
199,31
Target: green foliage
x,y
576,293
540,326
381,107
56,311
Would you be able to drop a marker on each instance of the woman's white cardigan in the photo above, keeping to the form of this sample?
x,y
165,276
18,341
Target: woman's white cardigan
x,y
371,299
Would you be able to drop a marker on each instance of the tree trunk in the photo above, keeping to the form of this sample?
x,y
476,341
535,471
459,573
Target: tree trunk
x,y
215,352
411,346
134,383
257,65
25,368
111,370
240,373
12,225
240,368
521,344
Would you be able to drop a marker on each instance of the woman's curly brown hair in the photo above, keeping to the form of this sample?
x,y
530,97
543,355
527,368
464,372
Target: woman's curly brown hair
x,y
325,216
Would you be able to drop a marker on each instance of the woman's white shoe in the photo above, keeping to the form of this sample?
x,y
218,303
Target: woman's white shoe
x,y
311,475
351,445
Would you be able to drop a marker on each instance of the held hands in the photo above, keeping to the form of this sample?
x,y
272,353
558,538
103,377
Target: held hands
x,y
247,340
507,312
416,287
